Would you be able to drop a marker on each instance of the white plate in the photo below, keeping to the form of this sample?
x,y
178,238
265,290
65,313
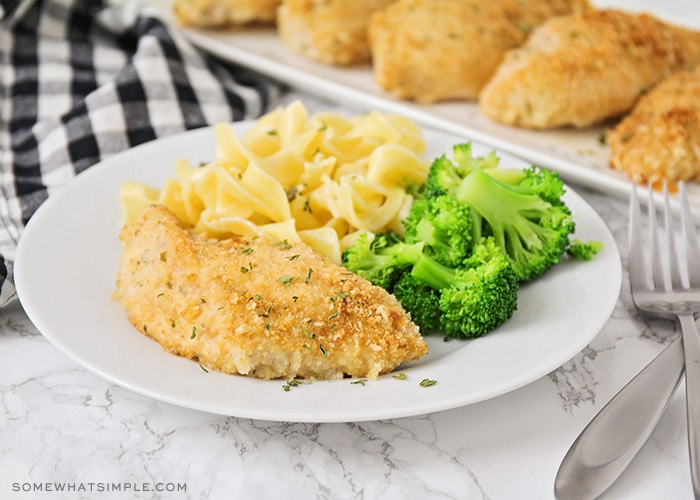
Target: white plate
x,y
577,154
68,258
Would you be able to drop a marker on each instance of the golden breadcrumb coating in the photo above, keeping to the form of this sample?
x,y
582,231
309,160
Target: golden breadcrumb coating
x,y
581,69
257,308
224,13
434,50
660,139
328,31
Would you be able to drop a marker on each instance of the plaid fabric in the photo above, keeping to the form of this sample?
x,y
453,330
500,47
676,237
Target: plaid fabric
x,y
81,80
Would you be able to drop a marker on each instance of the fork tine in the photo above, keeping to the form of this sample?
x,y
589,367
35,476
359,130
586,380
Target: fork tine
x,y
657,265
690,238
675,260
637,267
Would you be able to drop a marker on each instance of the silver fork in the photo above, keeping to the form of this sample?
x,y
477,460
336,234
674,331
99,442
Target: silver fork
x,y
674,292
605,448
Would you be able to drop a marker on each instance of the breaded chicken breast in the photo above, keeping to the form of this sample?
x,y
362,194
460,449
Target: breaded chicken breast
x,y
581,69
660,139
257,308
224,13
434,50
328,31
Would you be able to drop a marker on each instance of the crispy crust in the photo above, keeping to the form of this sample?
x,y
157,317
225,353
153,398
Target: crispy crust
x,y
329,31
433,50
581,69
256,308
660,140
224,13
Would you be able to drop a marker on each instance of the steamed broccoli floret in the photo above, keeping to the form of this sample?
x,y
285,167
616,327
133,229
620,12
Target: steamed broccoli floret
x,y
445,174
439,227
420,300
443,225
523,209
539,181
582,250
532,232
466,300
475,298
476,232
381,260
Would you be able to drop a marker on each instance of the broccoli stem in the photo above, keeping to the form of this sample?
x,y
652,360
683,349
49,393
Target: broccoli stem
x,y
432,273
498,204
405,254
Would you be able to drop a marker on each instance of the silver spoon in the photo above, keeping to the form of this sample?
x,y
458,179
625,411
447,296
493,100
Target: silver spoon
x,y
611,440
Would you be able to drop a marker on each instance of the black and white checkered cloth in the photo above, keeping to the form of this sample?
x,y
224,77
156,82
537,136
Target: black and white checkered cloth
x,y
81,80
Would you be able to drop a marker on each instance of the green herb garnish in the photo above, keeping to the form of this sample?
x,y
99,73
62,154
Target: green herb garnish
x,y
285,280
290,384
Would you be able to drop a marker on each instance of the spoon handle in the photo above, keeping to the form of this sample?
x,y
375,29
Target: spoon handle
x,y
611,440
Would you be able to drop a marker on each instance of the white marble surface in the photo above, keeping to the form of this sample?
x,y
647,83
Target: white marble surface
x,y
63,425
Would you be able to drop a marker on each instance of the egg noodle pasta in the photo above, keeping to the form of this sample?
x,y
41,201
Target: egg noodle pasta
x,y
321,179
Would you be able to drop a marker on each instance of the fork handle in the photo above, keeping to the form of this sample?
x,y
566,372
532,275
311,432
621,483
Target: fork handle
x,y
691,348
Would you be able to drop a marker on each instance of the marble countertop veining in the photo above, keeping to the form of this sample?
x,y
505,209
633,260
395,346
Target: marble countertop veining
x,y
62,426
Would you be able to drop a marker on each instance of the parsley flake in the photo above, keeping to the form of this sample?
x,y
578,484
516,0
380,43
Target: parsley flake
x,y
286,280
307,333
340,295
284,245
290,384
